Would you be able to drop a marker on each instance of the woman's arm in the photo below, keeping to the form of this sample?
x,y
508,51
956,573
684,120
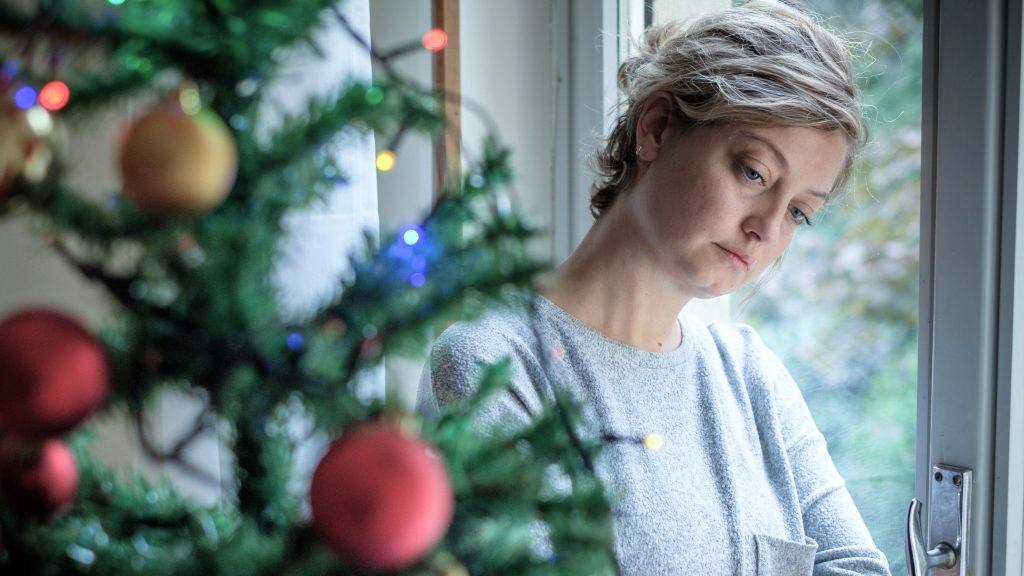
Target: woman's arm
x,y
830,516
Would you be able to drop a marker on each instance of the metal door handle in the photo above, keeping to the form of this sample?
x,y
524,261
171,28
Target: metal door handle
x,y
919,559
949,514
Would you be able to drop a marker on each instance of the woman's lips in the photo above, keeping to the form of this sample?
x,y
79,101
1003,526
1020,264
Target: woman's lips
x,y
734,258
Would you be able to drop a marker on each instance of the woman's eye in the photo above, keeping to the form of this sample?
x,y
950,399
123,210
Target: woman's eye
x,y
752,175
801,217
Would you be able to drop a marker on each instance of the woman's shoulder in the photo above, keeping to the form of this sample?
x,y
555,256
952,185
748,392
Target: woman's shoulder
x,y
494,332
755,367
746,355
735,338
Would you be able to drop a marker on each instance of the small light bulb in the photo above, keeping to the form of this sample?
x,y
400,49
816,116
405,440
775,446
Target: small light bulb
x,y
385,160
25,97
54,95
411,237
435,39
39,121
189,99
653,441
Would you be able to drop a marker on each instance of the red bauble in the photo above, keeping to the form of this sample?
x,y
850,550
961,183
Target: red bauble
x,y
380,498
53,374
43,483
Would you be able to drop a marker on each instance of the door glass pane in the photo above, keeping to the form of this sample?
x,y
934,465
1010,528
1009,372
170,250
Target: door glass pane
x,y
841,311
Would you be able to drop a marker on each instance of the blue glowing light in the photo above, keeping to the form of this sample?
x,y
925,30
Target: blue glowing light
x,y
294,341
411,236
25,97
417,279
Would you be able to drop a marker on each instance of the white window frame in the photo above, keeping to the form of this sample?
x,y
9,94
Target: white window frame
x,y
970,413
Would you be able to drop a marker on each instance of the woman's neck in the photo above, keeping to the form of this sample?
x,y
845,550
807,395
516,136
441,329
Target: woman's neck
x,y
615,288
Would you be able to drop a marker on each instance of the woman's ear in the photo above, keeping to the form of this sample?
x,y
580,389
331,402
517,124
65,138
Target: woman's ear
x,y
652,126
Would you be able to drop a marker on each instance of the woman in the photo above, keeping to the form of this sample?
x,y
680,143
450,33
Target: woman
x,y
738,129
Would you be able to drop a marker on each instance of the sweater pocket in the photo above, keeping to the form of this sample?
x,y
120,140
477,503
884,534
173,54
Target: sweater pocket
x,y
779,557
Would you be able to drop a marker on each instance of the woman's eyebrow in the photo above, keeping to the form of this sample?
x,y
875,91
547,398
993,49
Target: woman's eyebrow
x,y
778,155
770,145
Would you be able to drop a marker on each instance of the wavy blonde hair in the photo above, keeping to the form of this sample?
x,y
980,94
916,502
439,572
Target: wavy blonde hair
x,y
765,62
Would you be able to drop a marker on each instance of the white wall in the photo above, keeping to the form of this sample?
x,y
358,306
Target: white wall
x,y
508,67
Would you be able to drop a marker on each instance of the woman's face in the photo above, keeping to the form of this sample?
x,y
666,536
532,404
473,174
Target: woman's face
x,y
714,189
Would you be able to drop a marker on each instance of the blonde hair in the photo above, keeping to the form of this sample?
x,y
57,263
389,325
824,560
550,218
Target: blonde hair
x,y
764,62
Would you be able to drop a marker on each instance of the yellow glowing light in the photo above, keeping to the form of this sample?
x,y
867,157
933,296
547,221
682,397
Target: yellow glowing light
x,y
189,99
39,121
653,441
385,160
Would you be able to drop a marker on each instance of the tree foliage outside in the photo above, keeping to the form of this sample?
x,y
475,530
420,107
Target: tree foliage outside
x,y
842,312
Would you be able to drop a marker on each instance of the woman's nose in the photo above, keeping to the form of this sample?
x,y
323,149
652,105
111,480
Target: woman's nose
x,y
766,221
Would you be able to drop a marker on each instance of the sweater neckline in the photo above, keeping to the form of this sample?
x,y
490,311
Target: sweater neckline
x,y
614,351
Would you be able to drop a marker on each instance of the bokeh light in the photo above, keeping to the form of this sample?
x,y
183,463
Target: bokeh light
x,y
435,39
54,95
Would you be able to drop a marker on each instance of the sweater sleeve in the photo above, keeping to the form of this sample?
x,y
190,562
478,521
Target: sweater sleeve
x,y
830,516
455,366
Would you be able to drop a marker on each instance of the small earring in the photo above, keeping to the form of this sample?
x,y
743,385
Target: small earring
x,y
639,148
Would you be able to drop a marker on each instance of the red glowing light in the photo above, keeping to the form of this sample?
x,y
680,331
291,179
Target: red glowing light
x,y
435,40
54,96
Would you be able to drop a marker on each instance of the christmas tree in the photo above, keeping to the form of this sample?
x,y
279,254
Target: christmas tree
x,y
186,249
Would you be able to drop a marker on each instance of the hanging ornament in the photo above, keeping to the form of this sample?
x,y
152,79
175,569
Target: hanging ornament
x,y
53,374
178,158
40,482
381,498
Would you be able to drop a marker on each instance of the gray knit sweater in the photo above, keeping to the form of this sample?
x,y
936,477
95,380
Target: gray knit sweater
x,y
743,483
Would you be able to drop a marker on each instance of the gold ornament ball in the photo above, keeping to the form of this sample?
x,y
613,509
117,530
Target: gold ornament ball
x,y
177,163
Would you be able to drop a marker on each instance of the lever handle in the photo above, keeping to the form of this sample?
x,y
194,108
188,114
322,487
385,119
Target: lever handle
x,y
919,559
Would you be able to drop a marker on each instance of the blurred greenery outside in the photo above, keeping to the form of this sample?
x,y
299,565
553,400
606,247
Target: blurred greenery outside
x,y
842,311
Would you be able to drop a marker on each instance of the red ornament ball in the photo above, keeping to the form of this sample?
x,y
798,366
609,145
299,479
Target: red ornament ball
x,y
43,484
381,498
53,374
